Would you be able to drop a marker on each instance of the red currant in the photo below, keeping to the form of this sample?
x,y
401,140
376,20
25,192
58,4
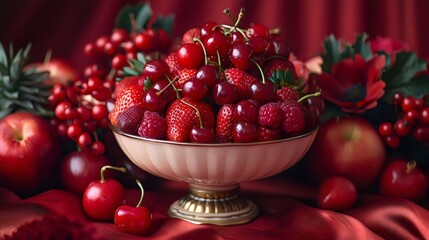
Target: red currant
x,y
385,129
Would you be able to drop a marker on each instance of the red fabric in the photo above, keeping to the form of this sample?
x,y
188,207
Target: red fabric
x,y
66,26
287,207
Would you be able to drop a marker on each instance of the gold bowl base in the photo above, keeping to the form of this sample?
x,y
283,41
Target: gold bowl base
x,y
222,207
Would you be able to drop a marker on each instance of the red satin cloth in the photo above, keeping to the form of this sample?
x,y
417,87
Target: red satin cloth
x,y
288,211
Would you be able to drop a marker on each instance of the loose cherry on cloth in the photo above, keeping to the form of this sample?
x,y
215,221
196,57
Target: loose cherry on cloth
x,y
288,211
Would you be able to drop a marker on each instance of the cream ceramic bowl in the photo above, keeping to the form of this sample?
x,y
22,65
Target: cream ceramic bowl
x,y
214,172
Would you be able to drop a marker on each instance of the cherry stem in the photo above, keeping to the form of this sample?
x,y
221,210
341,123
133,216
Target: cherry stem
x,y
197,112
168,85
411,165
133,23
48,56
260,70
219,62
103,169
195,39
95,135
174,87
318,93
141,194
274,31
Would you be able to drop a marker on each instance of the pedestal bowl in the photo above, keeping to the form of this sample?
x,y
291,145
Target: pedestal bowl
x,y
214,172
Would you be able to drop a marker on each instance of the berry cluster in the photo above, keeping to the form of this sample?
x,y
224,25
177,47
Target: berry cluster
x,y
221,84
82,105
412,121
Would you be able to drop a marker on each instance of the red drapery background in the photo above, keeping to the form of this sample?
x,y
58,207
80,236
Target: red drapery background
x,y
66,26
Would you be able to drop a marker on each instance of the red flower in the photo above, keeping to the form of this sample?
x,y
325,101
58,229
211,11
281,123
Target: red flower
x,y
354,84
388,45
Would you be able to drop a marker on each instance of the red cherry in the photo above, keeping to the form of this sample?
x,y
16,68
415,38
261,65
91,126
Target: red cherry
x,y
424,116
208,28
264,92
119,61
209,74
154,101
257,30
101,198
402,128
190,55
156,70
74,131
84,140
134,220
94,83
257,44
393,141
336,193
194,89
412,116
246,111
143,41
216,42
99,112
224,93
421,134
202,135
101,42
60,110
244,132
240,56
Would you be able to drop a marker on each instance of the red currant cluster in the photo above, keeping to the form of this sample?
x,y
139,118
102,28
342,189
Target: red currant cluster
x,y
122,46
81,106
412,121
80,109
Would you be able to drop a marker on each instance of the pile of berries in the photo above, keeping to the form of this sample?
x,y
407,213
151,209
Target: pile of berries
x,y
221,84
82,105
412,121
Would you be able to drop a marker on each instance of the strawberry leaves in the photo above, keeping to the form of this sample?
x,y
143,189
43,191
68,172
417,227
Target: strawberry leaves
x,y
401,77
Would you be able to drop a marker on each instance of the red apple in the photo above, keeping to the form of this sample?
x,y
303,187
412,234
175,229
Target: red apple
x,y
29,153
349,147
60,71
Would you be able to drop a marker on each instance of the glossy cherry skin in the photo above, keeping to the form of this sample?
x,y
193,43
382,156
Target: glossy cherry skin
x,y
202,135
209,74
154,101
101,199
240,55
244,132
190,55
224,93
264,92
133,220
79,169
156,70
216,42
246,111
194,89
336,193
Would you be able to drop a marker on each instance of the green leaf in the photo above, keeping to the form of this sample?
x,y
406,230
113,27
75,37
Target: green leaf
x,y
165,23
401,76
141,57
348,52
141,13
130,71
3,57
5,112
332,53
416,87
362,47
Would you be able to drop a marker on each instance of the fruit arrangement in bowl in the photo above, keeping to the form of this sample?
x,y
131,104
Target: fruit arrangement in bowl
x,y
226,106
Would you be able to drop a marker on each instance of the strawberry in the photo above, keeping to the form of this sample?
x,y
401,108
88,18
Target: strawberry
x,y
130,119
225,123
188,36
282,64
293,117
287,93
183,75
185,113
130,96
268,134
126,82
153,126
173,61
241,80
270,115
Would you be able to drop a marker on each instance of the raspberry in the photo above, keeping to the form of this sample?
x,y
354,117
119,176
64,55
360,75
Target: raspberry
x,y
153,126
270,115
293,117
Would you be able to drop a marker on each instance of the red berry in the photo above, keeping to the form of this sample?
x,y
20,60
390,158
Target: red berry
x,y
385,129
190,55
408,103
244,132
